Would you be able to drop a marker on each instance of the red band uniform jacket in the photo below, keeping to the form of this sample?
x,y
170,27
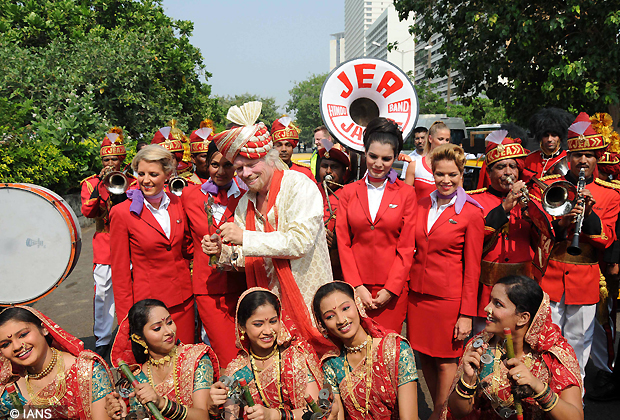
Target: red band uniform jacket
x,y
577,278
160,265
539,165
508,239
376,253
447,259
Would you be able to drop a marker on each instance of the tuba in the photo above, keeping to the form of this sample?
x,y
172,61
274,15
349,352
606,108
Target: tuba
x,y
116,183
361,90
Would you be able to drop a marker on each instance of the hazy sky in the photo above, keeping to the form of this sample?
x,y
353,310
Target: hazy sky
x,y
261,47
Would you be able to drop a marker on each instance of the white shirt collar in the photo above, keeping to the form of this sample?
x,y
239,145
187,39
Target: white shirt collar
x,y
233,190
165,201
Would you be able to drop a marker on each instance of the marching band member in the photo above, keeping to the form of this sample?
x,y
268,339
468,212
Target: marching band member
x,y
335,163
150,257
506,248
375,228
550,128
372,373
419,173
285,137
96,203
544,372
606,385
216,292
449,233
43,366
278,235
171,140
176,377
279,367
572,282
199,142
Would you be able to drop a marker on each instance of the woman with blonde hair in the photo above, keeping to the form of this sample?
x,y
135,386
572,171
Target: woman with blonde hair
x,y
149,236
419,173
443,281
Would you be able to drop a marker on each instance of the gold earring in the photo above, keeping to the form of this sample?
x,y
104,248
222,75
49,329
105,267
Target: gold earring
x,y
242,335
136,339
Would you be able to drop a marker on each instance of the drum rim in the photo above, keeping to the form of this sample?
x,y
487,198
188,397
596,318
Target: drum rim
x,y
70,218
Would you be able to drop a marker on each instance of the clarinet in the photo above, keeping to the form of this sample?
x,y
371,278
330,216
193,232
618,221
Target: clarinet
x,y
574,249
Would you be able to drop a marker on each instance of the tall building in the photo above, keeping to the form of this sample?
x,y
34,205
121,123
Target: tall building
x,y
427,56
359,15
336,50
370,26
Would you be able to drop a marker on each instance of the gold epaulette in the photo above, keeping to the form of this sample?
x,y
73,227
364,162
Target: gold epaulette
x,y
615,186
87,178
548,177
536,198
616,181
478,191
305,165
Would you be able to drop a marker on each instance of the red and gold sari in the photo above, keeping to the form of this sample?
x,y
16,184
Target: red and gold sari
x,y
283,383
552,360
71,393
377,392
178,386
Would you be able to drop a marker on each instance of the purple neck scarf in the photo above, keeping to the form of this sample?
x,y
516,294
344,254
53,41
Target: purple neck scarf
x,y
212,188
392,175
461,198
137,200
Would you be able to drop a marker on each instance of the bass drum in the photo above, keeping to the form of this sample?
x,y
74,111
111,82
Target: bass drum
x,y
40,242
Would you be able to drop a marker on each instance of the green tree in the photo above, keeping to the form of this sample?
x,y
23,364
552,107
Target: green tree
x,y
269,110
480,111
527,54
304,103
429,101
69,69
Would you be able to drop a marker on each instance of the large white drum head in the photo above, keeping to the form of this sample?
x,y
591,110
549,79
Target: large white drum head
x,y
40,242
362,89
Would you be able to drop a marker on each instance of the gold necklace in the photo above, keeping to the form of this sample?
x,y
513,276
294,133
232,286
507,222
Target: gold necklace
x,y
276,363
175,380
47,368
269,356
368,377
165,359
59,391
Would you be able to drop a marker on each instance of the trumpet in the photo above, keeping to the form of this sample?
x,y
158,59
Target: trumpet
x,y
115,182
176,185
558,198
574,248
525,197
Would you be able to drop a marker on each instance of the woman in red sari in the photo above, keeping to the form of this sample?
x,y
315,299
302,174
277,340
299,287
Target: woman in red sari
x,y
544,373
42,365
174,376
279,367
373,374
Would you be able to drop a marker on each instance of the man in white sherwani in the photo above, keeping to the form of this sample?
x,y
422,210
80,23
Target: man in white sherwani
x,y
278,235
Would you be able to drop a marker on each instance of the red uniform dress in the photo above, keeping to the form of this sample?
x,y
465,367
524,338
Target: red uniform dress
x,y
507,238
329,219
540,164
424,182
216,292
378,254
148,264
444,277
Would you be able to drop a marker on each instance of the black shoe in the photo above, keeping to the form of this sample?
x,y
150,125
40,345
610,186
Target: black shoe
x,y
604,388
103,351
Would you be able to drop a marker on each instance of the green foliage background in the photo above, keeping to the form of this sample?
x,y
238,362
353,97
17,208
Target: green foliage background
x,y
527,54
304,102
71,69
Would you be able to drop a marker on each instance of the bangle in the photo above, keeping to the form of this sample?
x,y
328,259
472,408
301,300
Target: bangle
x,y
547,399
466,385
462,394
553,403
175,411
541,392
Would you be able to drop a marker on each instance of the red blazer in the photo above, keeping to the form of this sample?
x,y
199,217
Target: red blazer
x,y
447,259
160,265
207,279
379,252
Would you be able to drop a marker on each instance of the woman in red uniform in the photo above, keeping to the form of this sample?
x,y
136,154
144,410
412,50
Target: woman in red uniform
x,y
444,276
149,238
419,173
216,292
375,228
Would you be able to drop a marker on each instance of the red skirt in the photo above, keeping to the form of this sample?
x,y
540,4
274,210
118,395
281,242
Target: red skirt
x,y
430,325
391,316
183,316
